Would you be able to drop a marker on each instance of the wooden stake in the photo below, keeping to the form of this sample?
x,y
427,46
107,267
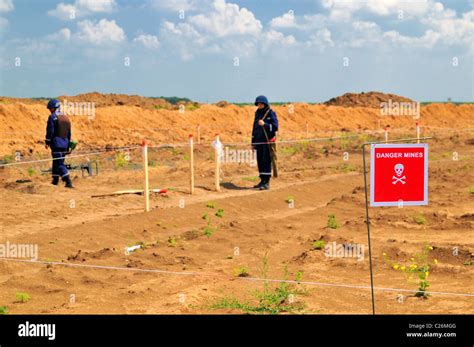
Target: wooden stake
x,y
218,164
191,164
132,191
146,192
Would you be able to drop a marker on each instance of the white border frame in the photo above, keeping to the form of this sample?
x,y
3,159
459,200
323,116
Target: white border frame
x,y
372,174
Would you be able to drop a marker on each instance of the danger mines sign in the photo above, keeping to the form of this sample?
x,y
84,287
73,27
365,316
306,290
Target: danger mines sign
x,y
398,174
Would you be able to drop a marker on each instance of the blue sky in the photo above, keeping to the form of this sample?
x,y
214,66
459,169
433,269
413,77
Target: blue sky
x,y
305,50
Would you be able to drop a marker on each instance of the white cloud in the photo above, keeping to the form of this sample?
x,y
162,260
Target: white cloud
x,y
104,31
276,37
427,40
305,22
321,38
175,5
149,41
184,38
64,11
226,29
97,5
343,10
287,20
3,23
82,8
227,19
452,29
6,5
62,35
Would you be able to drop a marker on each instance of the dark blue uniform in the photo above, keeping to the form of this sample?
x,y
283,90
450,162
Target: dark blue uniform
x,y
261,135
58,136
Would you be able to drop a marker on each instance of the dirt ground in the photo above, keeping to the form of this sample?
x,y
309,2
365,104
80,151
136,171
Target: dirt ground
x,y
71,227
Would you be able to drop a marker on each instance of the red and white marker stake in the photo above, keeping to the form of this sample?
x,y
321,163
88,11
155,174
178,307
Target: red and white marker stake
x,y
417,132
191,164
146,191
218,164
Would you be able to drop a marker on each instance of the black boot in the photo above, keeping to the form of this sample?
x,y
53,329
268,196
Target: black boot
x,y
55,180
266,183
68,182
257,186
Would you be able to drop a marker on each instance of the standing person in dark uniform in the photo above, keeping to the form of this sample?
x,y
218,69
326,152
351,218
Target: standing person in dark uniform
x,y
265,126
58,137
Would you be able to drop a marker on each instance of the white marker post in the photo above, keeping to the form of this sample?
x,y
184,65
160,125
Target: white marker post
x,y
191,164
146,192
386,134
217,147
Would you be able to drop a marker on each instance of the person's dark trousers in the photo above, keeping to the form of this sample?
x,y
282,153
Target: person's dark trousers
x,y
264,162
59,167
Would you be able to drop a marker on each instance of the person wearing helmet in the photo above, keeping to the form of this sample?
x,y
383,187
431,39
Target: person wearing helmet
x,y
58,136
265,126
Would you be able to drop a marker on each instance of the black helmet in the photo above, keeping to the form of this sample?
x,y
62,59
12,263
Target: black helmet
x,y
53,104
261,99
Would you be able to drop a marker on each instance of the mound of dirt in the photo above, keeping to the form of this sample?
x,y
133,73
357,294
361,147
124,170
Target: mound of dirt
x,y
106,100
370,99
102,100
222,103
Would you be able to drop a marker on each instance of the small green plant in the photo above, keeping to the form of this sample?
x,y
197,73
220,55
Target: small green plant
x,y
420,219
346,168
3,310
471,189
332,223
192,106
31,171
7,158
250,178
22,297
271,300
172,241
121,160
241,272
419,266
319,244
290,199
210,228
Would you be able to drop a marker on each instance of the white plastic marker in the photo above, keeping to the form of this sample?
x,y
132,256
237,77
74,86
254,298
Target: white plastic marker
x,y
131,249
218,149
386,134
191,164
146,192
